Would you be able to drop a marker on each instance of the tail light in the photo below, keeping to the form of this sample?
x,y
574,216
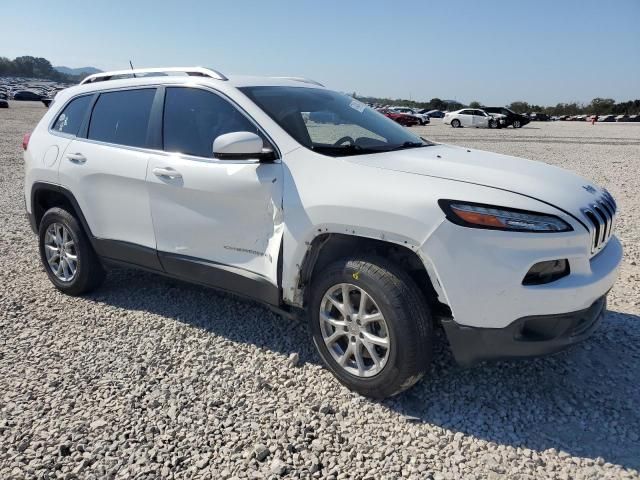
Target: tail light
x,y
25,140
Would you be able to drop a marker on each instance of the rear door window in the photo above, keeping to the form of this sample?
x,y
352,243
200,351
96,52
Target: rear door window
x,y
122,117
70,119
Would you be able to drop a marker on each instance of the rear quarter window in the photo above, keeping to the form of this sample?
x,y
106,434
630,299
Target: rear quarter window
x,y
122,117
70,119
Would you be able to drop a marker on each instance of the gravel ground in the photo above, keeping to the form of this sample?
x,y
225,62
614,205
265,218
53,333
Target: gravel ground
x,y
150,378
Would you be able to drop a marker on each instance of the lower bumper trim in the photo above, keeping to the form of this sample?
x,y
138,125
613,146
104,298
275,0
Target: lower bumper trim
x,y
526,337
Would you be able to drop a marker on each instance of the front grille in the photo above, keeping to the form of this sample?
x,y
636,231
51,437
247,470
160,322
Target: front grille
x,y
601,216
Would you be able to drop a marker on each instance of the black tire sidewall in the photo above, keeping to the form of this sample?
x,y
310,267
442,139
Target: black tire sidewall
x,y
83,249
455,123
399,370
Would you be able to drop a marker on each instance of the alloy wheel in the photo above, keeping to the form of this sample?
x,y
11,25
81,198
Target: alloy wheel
x,y
60,252
354,330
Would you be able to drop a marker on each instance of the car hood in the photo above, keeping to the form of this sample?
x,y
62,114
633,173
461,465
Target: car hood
x,y
544,182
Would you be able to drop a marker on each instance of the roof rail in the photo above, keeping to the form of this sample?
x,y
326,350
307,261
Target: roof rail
x,y
301,79
191,71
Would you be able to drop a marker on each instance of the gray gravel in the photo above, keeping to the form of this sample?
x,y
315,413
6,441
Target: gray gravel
x,y
150,378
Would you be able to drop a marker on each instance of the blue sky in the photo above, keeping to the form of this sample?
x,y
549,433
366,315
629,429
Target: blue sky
x,y
494,51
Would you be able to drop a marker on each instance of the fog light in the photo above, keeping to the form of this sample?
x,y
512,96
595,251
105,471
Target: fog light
x,y
546,272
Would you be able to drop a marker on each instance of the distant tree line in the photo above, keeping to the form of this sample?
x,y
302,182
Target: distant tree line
x,y
32,67
598,106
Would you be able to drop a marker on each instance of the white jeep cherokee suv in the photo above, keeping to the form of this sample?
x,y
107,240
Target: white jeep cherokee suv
x,y
371,230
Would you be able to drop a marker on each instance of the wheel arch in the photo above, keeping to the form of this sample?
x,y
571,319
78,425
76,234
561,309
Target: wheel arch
x,y
47,195
328,247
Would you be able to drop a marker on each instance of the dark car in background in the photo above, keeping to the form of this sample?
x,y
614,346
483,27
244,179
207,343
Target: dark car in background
x,y
27,95
539,117
506,116
433,113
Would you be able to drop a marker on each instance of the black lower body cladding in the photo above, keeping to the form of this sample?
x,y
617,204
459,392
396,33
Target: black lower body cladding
x,y
526,337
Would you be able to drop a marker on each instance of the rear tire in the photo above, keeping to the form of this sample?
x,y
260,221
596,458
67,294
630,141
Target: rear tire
x,y
405,326
455,123
67,255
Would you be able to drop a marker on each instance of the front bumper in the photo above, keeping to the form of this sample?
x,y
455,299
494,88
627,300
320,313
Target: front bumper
x,y
526,337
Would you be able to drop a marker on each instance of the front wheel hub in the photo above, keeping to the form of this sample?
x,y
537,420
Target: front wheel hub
x,y
354,330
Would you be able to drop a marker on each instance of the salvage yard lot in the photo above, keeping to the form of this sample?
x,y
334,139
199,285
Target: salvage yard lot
x,y
149,377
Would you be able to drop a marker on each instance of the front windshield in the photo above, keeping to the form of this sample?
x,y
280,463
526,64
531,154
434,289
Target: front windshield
x,y
331,123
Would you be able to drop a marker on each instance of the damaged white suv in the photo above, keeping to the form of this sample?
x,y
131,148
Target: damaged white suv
x,y
283,191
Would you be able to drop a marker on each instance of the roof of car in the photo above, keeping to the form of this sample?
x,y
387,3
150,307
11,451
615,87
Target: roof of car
x,y
176,76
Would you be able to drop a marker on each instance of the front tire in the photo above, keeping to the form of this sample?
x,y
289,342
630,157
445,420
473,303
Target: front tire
x,y
379,341
67,255
455,123
516,124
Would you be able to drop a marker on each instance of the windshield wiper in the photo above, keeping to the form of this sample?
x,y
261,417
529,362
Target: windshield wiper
x,y
406,145
345,149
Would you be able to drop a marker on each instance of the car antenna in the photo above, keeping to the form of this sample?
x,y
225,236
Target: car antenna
x,y
131,65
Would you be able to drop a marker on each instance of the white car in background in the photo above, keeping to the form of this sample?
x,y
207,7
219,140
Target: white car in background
x,y
470,117
423,118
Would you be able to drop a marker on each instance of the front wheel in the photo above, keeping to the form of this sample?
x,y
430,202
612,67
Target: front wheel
x,y
371,326
493,124
455,123
516,124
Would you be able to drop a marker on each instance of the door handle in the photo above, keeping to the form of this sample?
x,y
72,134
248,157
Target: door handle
x,y
76,157
166,172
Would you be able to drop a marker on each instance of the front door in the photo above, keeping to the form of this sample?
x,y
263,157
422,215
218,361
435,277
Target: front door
x,y
216,222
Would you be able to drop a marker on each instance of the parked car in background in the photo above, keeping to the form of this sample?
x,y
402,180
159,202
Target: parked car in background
x,y
607,118
506,117
433,113
27,95
422,118
622,118
401,118
470,117
4,103
539,117
634,118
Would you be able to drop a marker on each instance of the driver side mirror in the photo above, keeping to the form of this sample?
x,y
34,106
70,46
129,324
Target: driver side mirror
x,y
241,146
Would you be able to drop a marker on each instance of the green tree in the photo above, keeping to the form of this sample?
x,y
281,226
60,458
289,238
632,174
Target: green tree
x,y
519,107
602,106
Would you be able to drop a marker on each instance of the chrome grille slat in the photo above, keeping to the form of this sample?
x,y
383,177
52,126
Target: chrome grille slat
x,y
600,216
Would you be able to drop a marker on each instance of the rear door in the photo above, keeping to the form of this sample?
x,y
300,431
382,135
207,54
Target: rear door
x,y
217,222
466,118
480,118
105,168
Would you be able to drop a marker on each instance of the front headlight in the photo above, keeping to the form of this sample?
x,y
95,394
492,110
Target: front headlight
x,y
476,215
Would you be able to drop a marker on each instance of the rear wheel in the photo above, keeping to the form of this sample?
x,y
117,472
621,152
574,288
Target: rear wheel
x,y
493,124
455,123
371,326
67,255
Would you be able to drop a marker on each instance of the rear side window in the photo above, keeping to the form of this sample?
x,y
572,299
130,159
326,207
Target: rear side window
x,y
71,117
122,117
194,118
